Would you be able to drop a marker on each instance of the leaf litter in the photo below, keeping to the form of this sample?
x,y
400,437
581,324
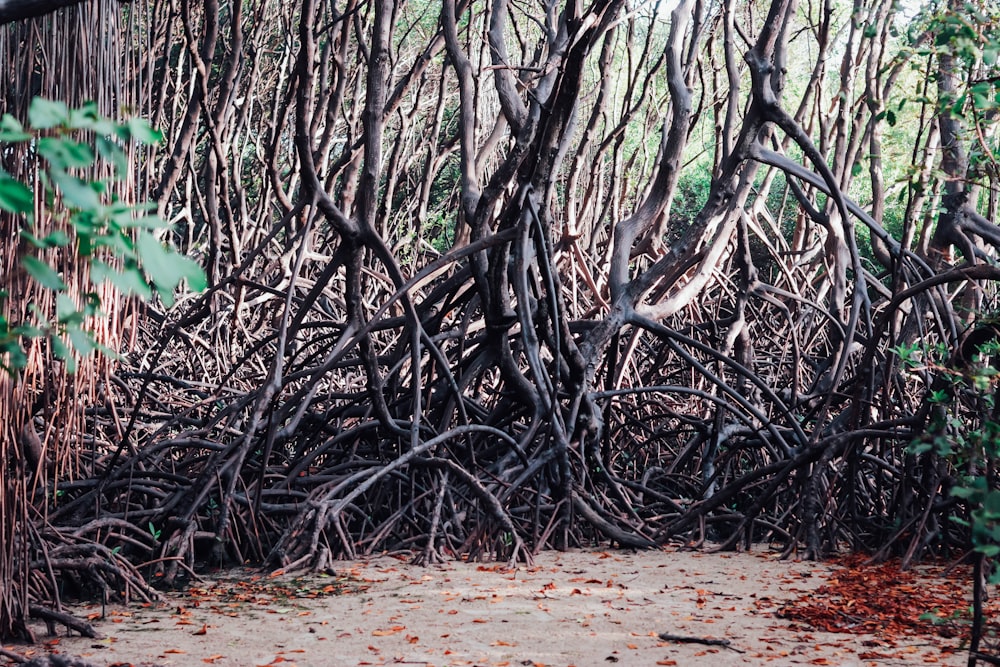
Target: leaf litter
x,y
861,597
575,608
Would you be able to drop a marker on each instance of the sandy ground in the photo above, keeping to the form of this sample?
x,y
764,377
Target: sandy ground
x,y
580,608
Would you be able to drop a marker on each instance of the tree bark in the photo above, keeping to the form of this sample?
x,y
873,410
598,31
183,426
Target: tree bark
x,y
16,10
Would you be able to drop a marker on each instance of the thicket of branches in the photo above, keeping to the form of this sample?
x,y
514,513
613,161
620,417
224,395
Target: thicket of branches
x,y
490,278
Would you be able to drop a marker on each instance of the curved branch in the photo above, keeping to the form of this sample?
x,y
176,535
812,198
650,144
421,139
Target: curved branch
x,y
17,10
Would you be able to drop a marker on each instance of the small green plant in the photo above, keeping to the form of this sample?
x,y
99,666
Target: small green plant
x,y
117,241
154,531
958,617
964,429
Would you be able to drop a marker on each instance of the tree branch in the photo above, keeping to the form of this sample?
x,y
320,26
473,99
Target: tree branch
x,y
16,10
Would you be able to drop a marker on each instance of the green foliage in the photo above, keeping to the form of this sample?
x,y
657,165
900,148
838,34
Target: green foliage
x,y
15,197
965,431
692,193
969,37
154,531
439,230
105,232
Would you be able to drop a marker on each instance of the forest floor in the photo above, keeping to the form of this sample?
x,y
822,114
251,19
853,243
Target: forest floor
x,y
579,608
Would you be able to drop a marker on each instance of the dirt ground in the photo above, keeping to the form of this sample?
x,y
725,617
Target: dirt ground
x,y
579,608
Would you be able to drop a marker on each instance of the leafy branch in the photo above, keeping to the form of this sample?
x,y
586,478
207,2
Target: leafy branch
x,y
119,242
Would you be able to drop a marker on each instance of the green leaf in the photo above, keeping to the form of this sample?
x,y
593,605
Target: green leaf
x,y
11,130
92,304
106,351
65,153
44,274
56,239
31,238
140,130
44,114
156,260
128,282
62,351
992,504
124,217
166,268
84,117
112,152
118,242
16,358
195,276
85,223
963,492
145,222
77,192
66,311
88,117
957,108
981,93
15,197
939,396
988,550
28,331
82,341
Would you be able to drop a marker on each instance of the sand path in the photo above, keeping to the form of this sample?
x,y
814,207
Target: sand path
x,y
582,608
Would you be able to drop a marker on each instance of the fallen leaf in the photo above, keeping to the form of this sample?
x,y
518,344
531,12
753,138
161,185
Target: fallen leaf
x,y
882,599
